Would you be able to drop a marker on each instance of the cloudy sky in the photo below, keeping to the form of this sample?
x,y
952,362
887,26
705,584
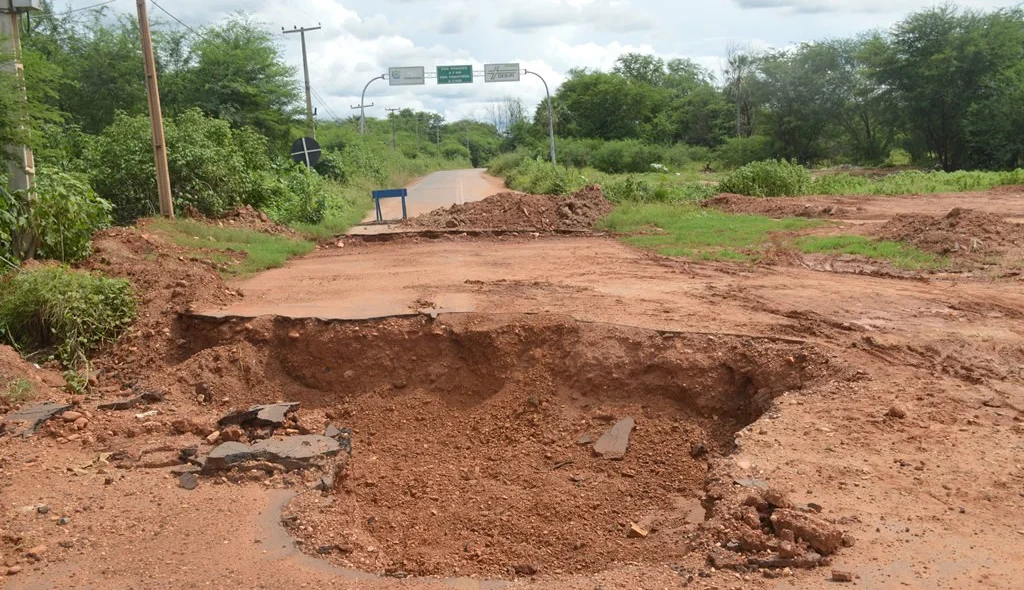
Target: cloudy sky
x,y
361,39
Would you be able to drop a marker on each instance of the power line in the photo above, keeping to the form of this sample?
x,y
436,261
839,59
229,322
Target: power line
x,y
164,10
90,7
323,103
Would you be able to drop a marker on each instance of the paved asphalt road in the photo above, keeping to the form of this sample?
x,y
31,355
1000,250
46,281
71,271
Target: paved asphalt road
x,y
434,191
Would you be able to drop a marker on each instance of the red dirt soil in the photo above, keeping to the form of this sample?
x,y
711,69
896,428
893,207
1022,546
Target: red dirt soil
x,y
512,211
893,406
961,231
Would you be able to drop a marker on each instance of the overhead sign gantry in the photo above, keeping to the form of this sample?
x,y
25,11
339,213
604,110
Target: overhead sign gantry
x,y
456,74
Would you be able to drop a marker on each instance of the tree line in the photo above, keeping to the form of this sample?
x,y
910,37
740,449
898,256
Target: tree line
x,y
944,85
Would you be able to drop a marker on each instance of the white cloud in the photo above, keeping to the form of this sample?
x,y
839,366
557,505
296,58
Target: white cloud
x,y
606,15
360,39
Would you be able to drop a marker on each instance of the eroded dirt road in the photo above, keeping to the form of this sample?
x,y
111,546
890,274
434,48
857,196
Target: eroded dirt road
x,y
892,406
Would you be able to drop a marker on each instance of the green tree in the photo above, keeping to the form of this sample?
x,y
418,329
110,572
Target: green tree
x,y
236,72
938,64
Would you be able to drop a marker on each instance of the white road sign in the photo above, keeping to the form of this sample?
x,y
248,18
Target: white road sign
x,y
501,72
411,76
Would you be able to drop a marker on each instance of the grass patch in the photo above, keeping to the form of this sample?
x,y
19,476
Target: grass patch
x,y
16,391
261,251
899,254
56,307
693,232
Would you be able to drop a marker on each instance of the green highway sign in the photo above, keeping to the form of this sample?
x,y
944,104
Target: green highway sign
x,y
454,74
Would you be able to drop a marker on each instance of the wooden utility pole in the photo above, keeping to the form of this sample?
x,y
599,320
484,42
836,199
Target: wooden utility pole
x,y
21,166
391,115
310,130
163,177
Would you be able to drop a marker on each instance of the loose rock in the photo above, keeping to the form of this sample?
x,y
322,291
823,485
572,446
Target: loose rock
x,y
841,576
613,444
188,481
822,536
897,411
636,531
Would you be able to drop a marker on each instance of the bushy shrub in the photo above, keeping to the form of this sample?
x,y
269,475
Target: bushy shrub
x,y
59,222
331,166
303,198
67,310
768,178
740,151
65,214
504,163
212,166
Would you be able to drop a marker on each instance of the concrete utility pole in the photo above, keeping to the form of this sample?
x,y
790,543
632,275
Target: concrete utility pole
x,y
551,116
163,177
391,115
362,104
21,168
310,130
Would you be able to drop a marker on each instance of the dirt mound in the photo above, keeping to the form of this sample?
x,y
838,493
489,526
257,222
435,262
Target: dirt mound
x,y
774,207
959,232
21,381
248,218
167,281
522,212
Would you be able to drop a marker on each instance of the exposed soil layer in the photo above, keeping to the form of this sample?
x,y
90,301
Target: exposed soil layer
x,y
774,207
512,211
1004,201
473,462
959,232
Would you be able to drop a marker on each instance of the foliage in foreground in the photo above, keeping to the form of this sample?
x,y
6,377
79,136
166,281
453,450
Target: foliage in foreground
x,y
59,223
66,310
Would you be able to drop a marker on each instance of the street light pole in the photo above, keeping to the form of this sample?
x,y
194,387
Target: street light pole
x,y
362,104
551,118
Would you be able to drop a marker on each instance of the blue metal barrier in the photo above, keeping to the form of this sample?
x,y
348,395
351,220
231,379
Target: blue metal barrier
x,y
387,194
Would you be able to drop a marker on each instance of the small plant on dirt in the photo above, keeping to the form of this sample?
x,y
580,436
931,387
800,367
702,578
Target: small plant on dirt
x,y
77,382
16,391
768,178
68,311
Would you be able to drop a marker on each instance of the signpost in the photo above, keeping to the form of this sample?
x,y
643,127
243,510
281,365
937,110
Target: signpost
x,y
408,76
454,74
306,151
501,72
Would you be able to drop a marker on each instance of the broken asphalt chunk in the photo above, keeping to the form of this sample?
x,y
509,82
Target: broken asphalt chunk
x,y
26,422
264,415
342,435
293,452
149,397
614,442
